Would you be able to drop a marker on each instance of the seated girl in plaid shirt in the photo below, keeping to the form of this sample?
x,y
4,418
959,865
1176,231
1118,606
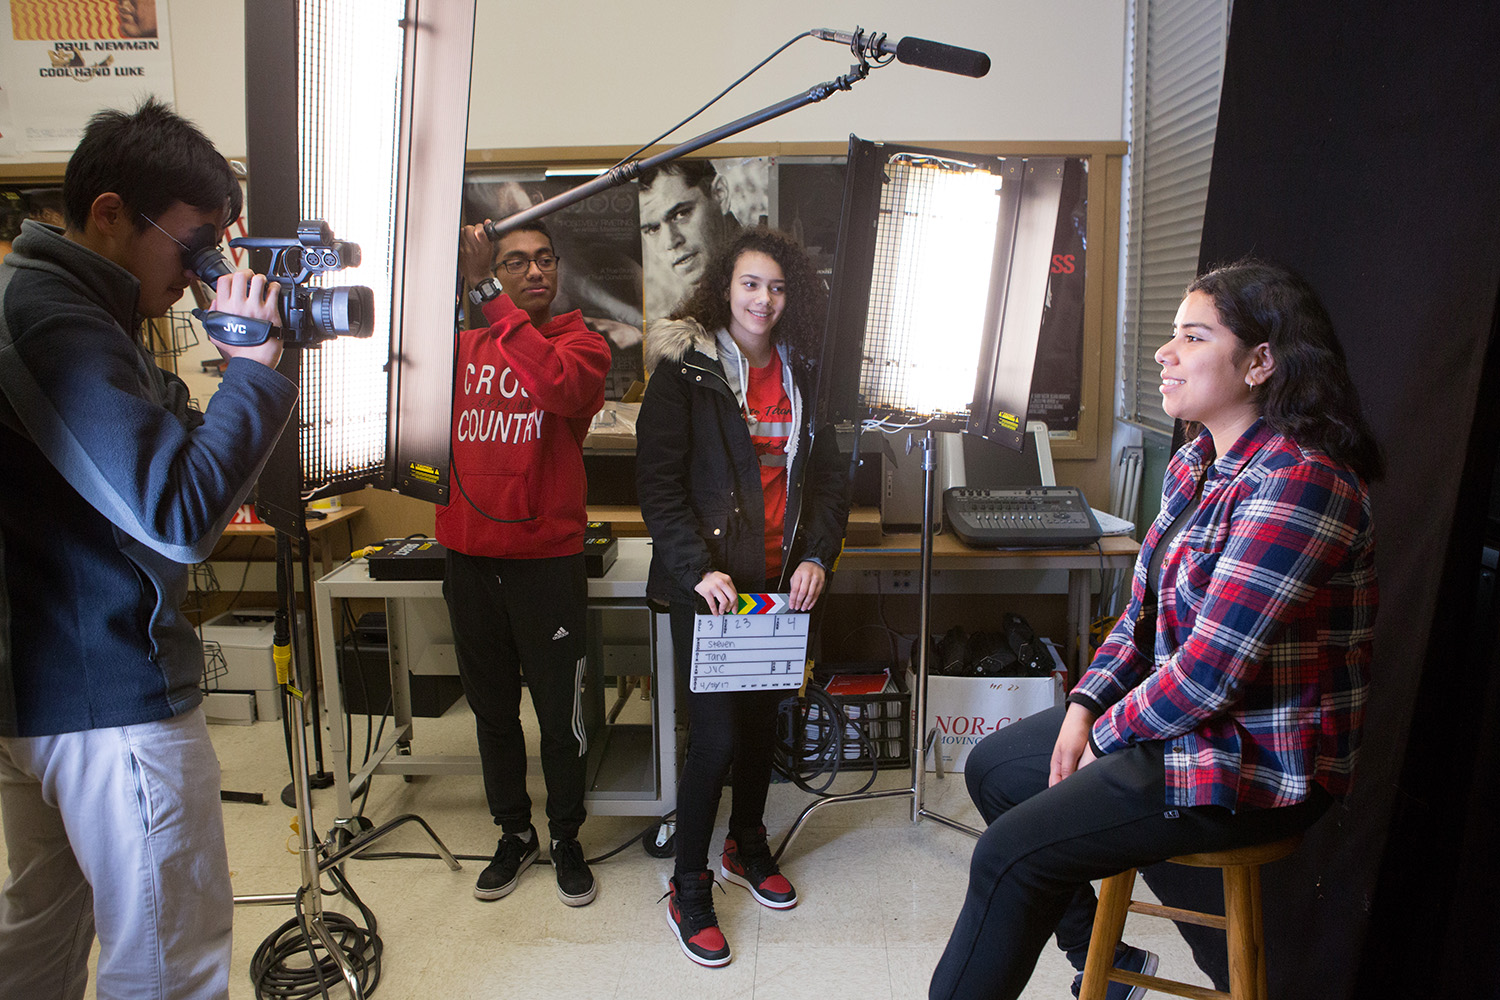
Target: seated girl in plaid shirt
x,y
1225,707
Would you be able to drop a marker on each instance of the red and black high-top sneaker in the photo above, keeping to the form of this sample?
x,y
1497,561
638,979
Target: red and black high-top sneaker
x,y
747,861
690,914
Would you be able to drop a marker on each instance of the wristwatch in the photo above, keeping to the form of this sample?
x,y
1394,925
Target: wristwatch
x,y
483,292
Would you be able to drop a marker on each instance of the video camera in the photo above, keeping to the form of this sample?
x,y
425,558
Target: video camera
x,y
309,315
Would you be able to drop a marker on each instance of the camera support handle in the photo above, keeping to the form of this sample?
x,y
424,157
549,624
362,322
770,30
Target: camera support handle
x,y
236,331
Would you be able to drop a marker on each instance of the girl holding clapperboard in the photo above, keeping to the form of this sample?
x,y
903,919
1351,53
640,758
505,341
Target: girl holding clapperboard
x,y
739,495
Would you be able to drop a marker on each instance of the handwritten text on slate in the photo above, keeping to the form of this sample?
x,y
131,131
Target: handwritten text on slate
x,y
748,652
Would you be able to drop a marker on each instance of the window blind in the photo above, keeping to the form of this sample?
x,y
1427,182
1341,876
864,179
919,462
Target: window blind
x,y
1176,70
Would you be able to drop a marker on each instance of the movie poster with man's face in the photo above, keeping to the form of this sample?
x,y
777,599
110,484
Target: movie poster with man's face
x,y
633,253
689,209
63,60
597,242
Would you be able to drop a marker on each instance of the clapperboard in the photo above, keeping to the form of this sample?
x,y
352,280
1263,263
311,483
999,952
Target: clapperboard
x,y
762,645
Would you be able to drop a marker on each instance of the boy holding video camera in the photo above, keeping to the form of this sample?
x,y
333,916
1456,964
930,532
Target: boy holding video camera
x,y
113,486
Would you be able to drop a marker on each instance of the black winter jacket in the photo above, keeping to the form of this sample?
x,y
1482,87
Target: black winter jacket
x,y
698,477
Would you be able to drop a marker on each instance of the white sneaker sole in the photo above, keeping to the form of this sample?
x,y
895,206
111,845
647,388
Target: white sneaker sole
x,y
583,899
712,963
490,895
740,880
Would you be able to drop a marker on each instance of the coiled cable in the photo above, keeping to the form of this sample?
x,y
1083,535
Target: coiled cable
x,y
275,969
811,745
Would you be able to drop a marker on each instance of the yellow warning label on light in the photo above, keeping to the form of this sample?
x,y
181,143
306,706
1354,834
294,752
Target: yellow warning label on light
x,y
1009,421
425,473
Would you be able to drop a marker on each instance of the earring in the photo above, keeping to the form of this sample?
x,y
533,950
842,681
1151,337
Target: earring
x,y
1249,383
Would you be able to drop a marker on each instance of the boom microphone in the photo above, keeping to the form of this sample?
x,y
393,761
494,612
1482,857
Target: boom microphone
x,y
911,51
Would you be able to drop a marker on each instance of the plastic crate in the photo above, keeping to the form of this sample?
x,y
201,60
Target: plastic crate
x,y
885,719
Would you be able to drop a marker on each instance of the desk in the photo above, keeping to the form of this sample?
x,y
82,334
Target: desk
x,y
948,553
904,551
315,529
632,768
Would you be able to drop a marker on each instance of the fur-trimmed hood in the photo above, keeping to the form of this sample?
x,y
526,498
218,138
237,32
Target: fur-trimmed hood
x,y
672,339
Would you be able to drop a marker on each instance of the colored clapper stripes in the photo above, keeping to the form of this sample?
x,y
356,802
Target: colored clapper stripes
x,y
762,604
763,645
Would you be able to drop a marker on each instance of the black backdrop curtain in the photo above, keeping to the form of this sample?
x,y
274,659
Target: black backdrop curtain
x,y
1359,143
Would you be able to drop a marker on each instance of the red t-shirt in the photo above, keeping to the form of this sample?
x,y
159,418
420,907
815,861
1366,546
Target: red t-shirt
x,y
770,420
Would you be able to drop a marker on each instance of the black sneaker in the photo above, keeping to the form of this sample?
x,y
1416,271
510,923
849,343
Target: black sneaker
x,y
690,914
512,857
747,861
1127,959
575,883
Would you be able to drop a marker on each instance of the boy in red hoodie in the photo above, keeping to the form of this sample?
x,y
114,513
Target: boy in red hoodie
x,y
525,390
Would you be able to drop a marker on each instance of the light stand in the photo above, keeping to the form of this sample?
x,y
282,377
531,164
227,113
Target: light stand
x,y
361,970
894,357
922,737
332,136
319,778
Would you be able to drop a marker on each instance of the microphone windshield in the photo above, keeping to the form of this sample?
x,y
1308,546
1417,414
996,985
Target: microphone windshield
x,y
936,55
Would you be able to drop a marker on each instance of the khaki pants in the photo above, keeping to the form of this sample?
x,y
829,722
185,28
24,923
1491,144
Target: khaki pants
x,y
117,832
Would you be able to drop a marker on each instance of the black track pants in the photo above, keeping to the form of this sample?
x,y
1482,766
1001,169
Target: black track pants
x,y
514,620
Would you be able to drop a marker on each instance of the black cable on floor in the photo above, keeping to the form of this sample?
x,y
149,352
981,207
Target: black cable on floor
x,y
399,855
802,759
276,972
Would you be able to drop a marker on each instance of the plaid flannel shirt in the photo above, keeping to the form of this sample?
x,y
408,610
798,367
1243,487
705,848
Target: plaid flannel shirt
x,y
1260,631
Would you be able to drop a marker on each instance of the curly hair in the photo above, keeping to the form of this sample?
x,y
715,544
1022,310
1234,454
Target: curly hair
x,y
1309,396
801,325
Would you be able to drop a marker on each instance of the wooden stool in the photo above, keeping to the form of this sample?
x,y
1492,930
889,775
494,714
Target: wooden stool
x,y
1241,923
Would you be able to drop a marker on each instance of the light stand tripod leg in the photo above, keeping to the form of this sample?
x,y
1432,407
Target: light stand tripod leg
x,y
312,892
351,982
362,843
920,735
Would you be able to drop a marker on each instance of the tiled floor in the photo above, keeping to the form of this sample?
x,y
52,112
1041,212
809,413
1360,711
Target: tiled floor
x,y
879,895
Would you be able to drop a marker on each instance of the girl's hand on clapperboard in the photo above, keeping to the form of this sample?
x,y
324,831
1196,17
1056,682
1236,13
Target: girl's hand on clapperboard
x,y
807,586
718,591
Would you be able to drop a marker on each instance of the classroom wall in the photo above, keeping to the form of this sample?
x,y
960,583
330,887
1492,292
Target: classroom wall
x,y
605,73
611,73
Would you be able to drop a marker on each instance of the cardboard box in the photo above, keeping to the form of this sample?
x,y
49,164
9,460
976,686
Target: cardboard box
x,y
964,710
235,708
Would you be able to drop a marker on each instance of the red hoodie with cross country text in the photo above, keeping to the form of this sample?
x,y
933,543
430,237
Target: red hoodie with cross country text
x,y
523,398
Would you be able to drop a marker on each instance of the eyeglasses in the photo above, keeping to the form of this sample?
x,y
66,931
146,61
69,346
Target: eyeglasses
x,y
545,262
188,253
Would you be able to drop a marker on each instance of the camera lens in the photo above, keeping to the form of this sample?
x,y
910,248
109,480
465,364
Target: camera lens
x,y
345,311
